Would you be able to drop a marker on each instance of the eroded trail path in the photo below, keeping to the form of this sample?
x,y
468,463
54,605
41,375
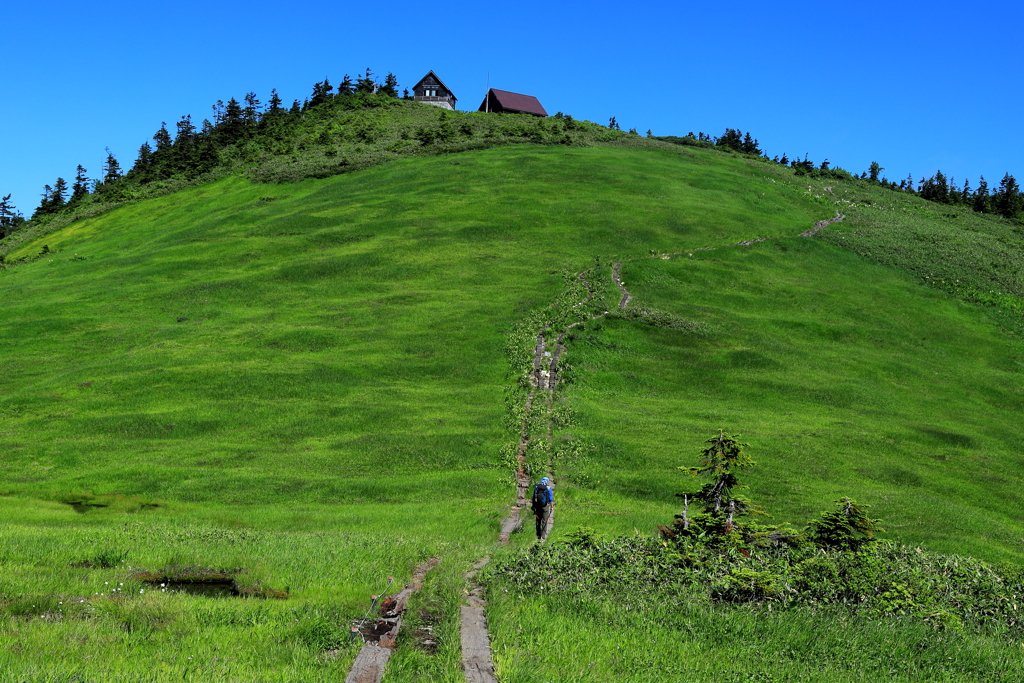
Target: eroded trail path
x,y
544,378
380,634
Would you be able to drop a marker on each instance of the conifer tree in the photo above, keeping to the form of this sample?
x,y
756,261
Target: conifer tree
x,y
731,138
935,188
6,214
251,112
162,139
749,145
81,187
1007,198
44,204
953,196
366,83
321,93
296,108
111,169
206,147
941,188
161,159
981,198
874,170
846,528
218,112
232,128
9,217
185,152
142,169
347,86
718,461
59,194
274,105
390,87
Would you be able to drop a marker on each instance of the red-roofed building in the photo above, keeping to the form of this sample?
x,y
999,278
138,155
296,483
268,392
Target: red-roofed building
x,y
502,101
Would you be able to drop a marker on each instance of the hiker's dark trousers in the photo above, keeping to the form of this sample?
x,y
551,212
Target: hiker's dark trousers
x,y
542,521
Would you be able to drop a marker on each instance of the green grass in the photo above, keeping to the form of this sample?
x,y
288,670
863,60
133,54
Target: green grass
x,y
678,636
312,382
322,357
845,377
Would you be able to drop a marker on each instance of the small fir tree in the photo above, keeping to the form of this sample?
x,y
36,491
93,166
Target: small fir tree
x,y
185,152
233,127
59,195
142,168
390,87
44,203
10,219
718,461
750,145
162,157
251,111
847,527
274,104
981,198
80,189
321,93
731,138
111,169
1007,197
366,83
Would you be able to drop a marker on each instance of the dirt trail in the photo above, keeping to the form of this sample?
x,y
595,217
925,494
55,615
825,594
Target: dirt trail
x,y
380,635
626,296
820,225
538,380
476,650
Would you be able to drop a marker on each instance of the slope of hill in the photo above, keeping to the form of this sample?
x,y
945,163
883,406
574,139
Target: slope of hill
x,y
307,386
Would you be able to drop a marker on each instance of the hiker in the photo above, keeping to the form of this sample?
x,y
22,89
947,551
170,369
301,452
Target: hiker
x,y
543,500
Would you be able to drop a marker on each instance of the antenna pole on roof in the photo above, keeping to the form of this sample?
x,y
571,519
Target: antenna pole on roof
x,y
487,97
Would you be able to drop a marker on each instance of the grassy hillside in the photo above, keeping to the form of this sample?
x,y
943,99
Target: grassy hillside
x,y
313,383
845,377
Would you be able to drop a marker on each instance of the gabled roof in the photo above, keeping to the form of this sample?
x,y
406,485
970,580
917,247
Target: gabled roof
x,y
437,78
517,102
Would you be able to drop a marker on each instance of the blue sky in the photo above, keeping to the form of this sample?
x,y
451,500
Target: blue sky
x,y
916,86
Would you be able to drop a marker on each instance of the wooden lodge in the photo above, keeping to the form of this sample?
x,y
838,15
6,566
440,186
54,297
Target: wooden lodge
x,y
502,101
431,90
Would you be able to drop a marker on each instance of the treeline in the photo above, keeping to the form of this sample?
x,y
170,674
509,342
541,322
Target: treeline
x,y
249,132
1006,199
195,150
